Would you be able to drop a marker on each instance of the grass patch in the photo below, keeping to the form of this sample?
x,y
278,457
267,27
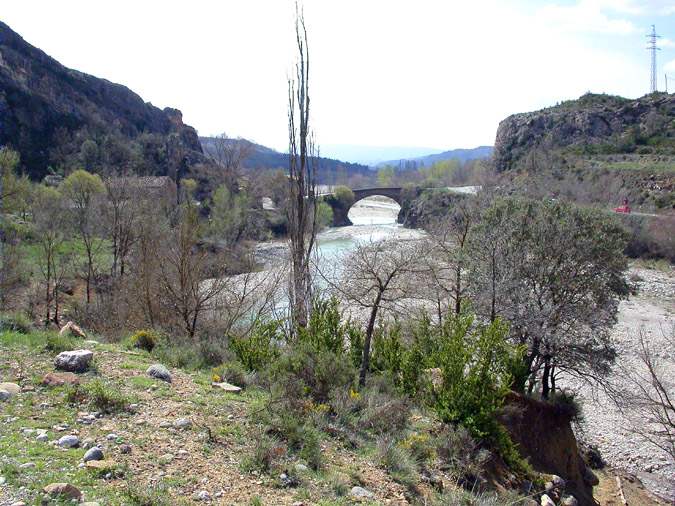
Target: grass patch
x,y
58,343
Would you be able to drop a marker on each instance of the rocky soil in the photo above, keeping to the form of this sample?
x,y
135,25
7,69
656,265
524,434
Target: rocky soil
x,y
653,309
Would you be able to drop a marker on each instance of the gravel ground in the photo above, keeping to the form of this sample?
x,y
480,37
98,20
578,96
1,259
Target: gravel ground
x,y
653,309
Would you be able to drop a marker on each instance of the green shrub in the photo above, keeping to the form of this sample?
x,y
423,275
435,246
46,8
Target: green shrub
x,y
99,396
311,448
189,355
260,348
147,495
57,343
232,372
144,339
15,322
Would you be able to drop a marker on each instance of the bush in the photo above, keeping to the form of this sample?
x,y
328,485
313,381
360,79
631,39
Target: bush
x,y
567,405
190,355
15,322
144,340
460,454
266,452
99,396
232,372
57,343
398,462
260,348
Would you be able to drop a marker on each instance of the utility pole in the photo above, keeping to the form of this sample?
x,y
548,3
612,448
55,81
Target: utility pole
x,y
652,39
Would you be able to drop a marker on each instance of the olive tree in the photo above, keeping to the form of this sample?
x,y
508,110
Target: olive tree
x,y
555,273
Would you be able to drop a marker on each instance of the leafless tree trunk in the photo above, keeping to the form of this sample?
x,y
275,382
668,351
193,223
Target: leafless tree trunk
x,y
302,206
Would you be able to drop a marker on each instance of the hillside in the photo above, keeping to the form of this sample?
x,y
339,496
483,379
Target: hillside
x,y
58,117
462,155
597,150
592,125
262,157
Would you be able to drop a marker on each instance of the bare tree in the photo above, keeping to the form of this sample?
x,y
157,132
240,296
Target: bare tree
x,y
191,279
645,391
378,276
121,214
230,155
302,208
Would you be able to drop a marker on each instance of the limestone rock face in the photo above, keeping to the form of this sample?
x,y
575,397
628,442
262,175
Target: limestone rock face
x,y
595,120
74,361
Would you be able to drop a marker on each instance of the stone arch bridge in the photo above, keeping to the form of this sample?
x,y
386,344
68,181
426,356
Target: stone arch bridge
x,y
341,209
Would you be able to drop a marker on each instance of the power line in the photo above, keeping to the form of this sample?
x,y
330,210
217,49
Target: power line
x,y
652,39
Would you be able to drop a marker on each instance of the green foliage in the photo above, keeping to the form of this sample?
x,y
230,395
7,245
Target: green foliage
x,y
229,213
324,215
473,360
57,343
261,347
385,176
190,355
99,395
344,195
15,322
145,339
81,187
232,372
147,495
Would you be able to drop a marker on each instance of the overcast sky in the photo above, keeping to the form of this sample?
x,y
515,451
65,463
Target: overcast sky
x,y
438,74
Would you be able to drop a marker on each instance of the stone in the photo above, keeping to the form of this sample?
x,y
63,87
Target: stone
x,y
71,328
90,503
301,468
160,372
203,495
558,482
111,436
70,441
182,423
63,490
288,481
125,449
569,500
94,453
3,480
19,503
5,395
11,388
100,465
361,493
27,465
42,438
546,501
227,387
88,443
74,361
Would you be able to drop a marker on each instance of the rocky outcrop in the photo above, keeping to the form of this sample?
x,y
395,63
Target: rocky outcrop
x,y
52,114
594,124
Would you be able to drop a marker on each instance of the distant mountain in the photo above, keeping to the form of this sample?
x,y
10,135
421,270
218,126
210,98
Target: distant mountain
x,y
462,155
373,155
57,117
262,157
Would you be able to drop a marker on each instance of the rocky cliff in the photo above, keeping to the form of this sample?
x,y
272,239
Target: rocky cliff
x,y
592,125
59,117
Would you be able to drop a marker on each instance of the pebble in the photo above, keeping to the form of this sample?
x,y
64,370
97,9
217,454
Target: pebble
x,y
111,437
160,372
70,441
27,465
125,449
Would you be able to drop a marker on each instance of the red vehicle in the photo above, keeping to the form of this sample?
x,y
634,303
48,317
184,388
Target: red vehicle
x,y
625,208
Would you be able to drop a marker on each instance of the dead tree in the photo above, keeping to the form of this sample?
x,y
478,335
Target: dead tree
x,y
302,206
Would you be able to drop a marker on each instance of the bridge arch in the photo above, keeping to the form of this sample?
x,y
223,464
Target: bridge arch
x,y
341,209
